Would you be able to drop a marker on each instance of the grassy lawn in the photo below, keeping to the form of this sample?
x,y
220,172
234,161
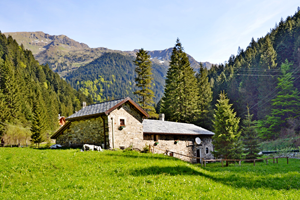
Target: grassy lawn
x,y
70,174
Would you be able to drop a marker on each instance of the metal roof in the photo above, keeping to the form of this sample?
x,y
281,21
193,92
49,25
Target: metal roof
x,y
175,128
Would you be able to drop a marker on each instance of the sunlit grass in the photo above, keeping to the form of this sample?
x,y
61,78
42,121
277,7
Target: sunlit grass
x,y
70,174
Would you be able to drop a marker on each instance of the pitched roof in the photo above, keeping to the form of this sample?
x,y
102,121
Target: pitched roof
x,y
172,128
104,108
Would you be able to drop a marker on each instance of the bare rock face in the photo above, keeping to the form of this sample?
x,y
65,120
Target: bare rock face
x,y
40,41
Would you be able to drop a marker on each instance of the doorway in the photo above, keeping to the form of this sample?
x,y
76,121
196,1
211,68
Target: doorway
x,y
198,155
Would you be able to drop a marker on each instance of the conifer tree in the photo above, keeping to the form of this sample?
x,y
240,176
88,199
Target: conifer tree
x,y
143,82
226,128
204,99
250,137
266,82
38,125
181,92
284,106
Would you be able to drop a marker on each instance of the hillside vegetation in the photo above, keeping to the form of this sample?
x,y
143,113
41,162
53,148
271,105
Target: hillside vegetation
x,y
30,92
70,174
112,76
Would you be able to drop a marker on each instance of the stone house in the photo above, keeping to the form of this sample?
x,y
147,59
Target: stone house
x,y
122,123
182,138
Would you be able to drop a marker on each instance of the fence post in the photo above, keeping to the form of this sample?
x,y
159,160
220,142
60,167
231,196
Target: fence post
x,y
273,160
240,163
266,161
287,160
253,162
202,162
150,148
277,160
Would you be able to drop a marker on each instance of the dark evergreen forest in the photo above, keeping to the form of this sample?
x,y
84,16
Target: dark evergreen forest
x,y
30,92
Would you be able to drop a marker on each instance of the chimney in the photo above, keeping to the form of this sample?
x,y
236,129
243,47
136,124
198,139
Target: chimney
x,y
162,117
83,104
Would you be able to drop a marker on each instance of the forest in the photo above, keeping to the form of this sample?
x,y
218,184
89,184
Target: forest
x,y
31,95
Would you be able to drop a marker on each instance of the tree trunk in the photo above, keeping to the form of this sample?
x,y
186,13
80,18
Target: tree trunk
x,y
227,163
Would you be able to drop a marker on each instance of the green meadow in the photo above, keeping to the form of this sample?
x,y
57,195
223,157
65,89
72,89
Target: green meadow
x,y
27,173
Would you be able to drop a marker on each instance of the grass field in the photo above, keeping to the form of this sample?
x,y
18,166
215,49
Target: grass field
x,y
70,174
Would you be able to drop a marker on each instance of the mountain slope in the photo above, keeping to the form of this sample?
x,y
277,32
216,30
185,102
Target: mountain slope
x,y
65,55
112,76
30,91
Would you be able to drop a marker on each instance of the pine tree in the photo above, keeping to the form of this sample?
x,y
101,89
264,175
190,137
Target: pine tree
x,y
181,93
250,137
226,128
38,125
284,106
143,82
204,99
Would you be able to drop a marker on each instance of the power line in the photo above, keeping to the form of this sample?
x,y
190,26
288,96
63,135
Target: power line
x,y
275,90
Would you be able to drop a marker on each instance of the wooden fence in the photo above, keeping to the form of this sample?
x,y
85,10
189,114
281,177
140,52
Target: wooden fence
x,y
203,161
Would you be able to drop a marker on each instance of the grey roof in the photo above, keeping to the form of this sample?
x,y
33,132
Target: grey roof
x,y
95,109
176,128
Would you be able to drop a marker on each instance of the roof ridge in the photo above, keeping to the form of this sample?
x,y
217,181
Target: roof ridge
x,y
107,101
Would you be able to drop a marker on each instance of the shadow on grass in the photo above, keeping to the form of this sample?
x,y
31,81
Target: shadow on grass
x,y
242,179
141,155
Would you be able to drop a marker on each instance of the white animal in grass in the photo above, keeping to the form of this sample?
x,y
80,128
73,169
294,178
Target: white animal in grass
x,y
98,148
91,147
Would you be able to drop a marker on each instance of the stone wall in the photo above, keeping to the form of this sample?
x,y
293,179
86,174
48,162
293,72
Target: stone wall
x,y
132,134
85,131
185,146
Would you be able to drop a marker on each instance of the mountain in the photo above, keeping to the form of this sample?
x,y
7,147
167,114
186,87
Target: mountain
x,y
112,76
40,41
64,55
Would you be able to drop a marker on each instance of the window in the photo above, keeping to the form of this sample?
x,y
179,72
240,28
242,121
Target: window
x,y
155,138
206,150
122,122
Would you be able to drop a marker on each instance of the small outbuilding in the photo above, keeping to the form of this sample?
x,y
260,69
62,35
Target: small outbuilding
x,y
182,138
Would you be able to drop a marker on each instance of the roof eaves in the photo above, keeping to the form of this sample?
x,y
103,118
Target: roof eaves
x,y
60,130
124,101
160,133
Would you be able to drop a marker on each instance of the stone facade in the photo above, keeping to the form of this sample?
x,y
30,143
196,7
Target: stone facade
x,y
131,134
106,131
85,131
185,145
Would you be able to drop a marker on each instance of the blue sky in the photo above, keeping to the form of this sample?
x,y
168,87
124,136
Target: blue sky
x,y
209,30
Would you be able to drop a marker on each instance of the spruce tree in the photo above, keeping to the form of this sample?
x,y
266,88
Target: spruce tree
x,y
285,105
266,82
143,82
38,124
181,92
250,137
204,99
226,127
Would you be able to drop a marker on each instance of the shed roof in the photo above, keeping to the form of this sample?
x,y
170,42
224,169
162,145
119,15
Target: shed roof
x,y
172,128
104,108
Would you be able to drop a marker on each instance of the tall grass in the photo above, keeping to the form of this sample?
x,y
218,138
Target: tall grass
x,y
70,174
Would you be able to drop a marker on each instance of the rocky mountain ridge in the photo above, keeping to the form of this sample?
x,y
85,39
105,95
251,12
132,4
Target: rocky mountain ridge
x,y
64,55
